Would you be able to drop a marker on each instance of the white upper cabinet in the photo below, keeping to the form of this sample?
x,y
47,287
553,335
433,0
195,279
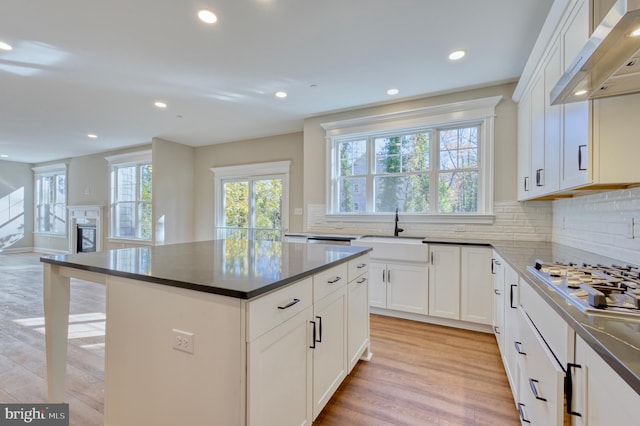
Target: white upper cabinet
x,y
566,149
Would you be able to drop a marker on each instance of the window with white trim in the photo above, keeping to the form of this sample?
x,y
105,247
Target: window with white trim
x,y
252,201
131,196
51,199
433,162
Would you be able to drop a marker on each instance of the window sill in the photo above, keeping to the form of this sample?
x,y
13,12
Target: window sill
x,y
49,234
129,241
476,219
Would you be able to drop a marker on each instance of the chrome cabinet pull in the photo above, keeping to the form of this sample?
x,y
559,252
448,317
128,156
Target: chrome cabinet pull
x,y
520,405
389,276
517,345
335,280
383,278
526,183
496,291
495,329
534,389
290,304
360,266
361,280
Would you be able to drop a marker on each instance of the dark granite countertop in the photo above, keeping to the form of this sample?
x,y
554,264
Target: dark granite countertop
x,y
617,341
236,268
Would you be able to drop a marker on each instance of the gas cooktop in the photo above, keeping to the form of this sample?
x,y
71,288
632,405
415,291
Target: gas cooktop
x,y
594,289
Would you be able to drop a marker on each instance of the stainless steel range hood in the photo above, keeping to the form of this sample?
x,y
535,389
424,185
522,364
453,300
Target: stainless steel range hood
x,y
609,64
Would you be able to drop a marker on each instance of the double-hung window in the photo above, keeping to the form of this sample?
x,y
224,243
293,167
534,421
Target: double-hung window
x,y
130,203
51,199
251,201
427,163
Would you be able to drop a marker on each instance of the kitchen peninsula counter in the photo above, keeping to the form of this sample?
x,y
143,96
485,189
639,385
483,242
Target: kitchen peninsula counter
x,y
209,290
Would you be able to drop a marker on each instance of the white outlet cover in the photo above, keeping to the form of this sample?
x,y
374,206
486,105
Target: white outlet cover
x,y
183,341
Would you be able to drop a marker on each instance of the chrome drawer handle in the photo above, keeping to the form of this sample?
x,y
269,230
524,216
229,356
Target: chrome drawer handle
x,y
362,265
521,411
290,304
335,280
517,345
361,280
534,390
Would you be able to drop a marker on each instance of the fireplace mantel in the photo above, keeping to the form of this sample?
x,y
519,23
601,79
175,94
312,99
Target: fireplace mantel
x,y
85,215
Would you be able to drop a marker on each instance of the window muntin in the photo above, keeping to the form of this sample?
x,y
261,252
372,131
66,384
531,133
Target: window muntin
x,y
51,202
421,171
131,208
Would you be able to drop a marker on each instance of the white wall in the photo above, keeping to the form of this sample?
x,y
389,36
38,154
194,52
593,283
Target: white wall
x,y
274,148
600,223
173,191
16,207
513,220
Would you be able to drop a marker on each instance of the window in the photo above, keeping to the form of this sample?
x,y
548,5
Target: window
x,y
433,162
51,199
252,201
130,205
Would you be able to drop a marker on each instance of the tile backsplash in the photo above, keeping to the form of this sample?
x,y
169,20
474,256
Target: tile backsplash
x,y
530,221
601,223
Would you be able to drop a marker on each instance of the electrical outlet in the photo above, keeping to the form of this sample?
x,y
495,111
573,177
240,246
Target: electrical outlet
x,y
183,341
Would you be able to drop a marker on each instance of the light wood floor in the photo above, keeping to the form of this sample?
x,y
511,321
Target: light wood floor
x,y
420,374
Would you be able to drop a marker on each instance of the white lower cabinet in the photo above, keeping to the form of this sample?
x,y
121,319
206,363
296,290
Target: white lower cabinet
x,y
299,343
399,286
330,347
541,378
461,284
280,370
358,311
600,396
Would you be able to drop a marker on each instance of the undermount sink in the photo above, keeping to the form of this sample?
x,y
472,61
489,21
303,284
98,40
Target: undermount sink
x,y
408,249
391,239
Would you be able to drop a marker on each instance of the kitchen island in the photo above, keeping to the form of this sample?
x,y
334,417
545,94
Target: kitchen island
x,y
197,332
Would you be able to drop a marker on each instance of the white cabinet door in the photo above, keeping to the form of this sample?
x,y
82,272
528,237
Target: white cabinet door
x,y
407,288
378,285
280,369
576,161
358,319
599,394
511,302
524,148
476,285
552,122
497,269
444,278
537,136
330,352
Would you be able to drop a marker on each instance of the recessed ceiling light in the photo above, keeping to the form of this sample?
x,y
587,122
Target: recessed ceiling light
x,y
457,55
635,33
5,46
392,92
281,94
207,16
160,104
580,93
4,156
92,136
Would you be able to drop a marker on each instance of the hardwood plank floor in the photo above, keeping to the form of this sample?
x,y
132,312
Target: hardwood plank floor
x,y
421,374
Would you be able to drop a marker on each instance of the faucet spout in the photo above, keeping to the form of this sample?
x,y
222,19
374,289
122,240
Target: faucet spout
x,y
396,230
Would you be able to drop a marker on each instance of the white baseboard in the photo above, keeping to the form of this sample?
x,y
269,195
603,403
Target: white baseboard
x,y
16,250
433,320
48,251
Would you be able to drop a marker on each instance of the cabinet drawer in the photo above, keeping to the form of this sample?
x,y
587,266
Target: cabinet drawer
x,y
358,267
541,377
554,330
275,308
329,281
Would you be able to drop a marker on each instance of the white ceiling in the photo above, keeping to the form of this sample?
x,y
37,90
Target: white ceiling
x,y
88,66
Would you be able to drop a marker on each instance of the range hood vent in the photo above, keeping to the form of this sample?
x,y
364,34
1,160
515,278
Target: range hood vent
x,y
609,64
